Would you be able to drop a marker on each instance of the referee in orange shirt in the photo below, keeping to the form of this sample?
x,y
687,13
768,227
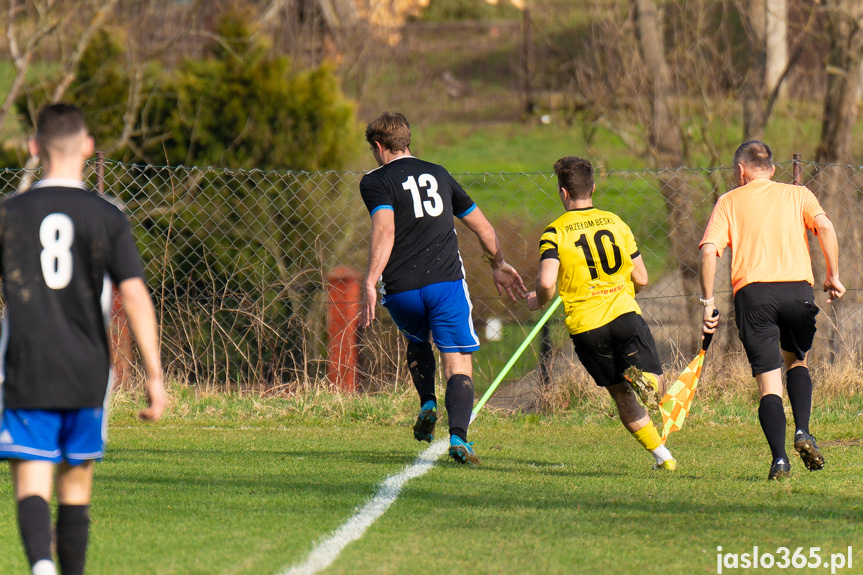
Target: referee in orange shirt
x,y
764,223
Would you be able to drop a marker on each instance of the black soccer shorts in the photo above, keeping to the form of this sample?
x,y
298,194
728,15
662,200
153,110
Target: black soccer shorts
x,y
607,351
774,315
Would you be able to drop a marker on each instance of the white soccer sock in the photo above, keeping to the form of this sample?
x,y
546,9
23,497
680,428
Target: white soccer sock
x,y
44,567
661,454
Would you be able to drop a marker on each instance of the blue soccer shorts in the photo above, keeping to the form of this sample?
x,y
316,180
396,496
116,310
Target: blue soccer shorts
x,y
70,435
443,309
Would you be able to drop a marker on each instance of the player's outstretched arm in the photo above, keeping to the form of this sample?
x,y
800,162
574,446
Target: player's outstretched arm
x,y
830,247
506,279
546,284
142,321
707,276
380,248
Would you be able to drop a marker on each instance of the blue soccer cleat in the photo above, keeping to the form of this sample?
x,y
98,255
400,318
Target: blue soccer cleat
x,y
461,451
424,427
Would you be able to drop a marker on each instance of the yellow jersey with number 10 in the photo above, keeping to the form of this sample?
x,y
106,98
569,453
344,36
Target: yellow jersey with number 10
x,y
595,249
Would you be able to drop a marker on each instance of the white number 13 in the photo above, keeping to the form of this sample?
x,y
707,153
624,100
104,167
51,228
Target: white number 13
x,y
56,234
433,206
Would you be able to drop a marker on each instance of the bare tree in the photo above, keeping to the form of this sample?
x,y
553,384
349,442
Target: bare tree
x,y
835,182
776,36
766,23
845,32
52,17
46,22
667,144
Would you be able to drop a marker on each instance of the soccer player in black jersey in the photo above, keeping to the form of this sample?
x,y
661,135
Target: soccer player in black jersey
x,y
414,251
61,248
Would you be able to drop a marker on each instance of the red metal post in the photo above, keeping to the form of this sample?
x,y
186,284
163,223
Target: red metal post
x,y
796,170
343,317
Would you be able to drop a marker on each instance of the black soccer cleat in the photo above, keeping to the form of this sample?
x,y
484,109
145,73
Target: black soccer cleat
x,y
780,468
424,427
804,444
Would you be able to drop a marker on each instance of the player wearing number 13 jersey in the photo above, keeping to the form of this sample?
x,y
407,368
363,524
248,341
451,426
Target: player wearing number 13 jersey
x,y
591,257
61,248
414,251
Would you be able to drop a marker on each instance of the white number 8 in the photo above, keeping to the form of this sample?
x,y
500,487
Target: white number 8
x,y
56,234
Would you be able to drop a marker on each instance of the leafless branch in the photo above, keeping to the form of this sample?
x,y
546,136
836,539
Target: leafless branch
x,y
70,66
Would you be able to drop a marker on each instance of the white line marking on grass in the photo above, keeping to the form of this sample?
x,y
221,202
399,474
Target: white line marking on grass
x,y
323,555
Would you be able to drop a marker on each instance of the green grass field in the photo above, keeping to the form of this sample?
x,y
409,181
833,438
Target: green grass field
x,y
226,486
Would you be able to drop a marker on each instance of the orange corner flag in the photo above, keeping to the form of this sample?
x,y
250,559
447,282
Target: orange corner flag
x,y
677,400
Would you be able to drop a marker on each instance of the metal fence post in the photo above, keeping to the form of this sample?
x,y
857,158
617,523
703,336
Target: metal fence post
x,y
545,367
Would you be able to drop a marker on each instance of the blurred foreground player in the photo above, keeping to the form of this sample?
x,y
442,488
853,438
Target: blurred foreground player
x,y
764,223
413,249
591,256
61,246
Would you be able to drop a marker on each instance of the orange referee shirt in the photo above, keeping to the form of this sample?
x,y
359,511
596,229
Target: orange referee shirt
x,y
764,223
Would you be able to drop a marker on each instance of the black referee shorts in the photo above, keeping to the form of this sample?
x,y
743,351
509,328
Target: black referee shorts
x,y
606,352
774,315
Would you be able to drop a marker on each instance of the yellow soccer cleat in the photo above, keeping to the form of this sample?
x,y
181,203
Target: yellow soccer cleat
x,y
668,465
645,385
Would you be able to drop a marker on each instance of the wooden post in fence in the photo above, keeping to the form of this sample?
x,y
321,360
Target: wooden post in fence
x,y
796,170
118,331
344,295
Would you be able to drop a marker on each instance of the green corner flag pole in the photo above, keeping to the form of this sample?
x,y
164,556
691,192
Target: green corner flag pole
x,y
514,358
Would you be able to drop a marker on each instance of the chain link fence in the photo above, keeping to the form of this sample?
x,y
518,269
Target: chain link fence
x,y
238,264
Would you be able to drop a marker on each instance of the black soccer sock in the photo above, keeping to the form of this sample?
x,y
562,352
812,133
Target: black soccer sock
x,y
73,528
459,403
799,386
421,364
772,418
34,521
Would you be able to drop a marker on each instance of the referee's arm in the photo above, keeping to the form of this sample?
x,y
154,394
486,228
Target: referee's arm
x,y
707,277
142,321
830,247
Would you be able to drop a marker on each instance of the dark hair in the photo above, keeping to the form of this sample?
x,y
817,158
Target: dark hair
x,y
58,122
391,130
575,175
754,154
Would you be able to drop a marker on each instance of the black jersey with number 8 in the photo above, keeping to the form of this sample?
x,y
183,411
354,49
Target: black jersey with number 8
x,y
60,247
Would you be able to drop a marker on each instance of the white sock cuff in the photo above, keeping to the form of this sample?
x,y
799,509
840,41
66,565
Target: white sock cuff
x,y
44,567
661,454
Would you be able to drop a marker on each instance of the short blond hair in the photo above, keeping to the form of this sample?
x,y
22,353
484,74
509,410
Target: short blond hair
x,y
391,130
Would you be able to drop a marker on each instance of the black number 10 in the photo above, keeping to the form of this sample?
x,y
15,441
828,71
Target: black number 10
x,y
600,250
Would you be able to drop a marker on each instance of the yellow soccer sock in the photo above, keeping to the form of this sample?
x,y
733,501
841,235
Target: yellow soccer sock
x,y
648,437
